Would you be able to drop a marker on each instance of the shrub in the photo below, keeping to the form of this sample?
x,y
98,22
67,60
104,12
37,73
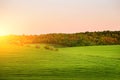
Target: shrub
x,y
28,46
50,48
37,46
56,49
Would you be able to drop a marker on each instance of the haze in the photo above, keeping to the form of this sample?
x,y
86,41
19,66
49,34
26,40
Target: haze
x,y
58,16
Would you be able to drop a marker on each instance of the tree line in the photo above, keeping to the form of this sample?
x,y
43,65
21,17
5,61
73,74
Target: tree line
x,y
75,39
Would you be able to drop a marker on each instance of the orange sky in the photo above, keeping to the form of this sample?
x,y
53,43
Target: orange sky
x,y
58,16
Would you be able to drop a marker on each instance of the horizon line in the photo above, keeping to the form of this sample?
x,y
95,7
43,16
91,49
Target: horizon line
x,y
60,33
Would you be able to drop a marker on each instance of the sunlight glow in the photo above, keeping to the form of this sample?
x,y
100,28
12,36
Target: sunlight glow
x,y
3,31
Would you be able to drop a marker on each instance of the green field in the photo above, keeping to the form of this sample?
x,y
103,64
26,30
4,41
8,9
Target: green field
x,y
68,63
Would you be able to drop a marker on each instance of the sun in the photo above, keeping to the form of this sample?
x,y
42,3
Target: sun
x,y
3,32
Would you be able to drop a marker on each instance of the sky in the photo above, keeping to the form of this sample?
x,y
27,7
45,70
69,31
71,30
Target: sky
x,y
58,16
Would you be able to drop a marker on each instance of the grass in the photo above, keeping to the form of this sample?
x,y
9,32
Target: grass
x,y
74,63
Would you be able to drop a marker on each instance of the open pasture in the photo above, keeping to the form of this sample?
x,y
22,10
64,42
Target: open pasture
x,y
68,63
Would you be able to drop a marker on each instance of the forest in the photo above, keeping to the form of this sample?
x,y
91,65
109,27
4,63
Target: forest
x,y
70,40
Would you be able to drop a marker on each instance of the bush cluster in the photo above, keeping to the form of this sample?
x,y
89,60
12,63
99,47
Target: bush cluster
x,y
50,48
37,46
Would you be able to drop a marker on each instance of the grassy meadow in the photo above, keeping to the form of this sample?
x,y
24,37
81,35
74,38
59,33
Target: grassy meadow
x,y
29,62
